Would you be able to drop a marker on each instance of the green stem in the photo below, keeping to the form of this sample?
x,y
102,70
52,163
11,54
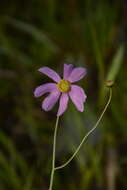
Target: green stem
x,y
87,135
53,155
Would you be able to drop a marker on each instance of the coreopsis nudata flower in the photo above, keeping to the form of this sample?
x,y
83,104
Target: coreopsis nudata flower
x,y
62,88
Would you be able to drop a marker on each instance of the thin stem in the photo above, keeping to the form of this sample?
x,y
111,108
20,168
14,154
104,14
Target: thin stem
x,y
90,132
53,155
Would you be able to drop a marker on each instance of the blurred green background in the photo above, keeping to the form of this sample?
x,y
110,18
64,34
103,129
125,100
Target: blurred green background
x,y
37,33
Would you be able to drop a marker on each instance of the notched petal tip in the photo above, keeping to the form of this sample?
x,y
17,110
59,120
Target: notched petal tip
x,y
85,98
82,109
35,93
41,69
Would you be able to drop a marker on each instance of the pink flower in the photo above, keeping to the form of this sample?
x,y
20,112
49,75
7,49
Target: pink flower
x,y
62,89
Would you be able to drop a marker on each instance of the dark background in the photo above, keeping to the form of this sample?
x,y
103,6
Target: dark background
x,y
87,33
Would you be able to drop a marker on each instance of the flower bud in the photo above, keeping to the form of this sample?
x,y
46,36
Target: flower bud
x,y
109,83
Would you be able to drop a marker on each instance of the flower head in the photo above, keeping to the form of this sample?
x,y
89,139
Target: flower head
x,y
62,88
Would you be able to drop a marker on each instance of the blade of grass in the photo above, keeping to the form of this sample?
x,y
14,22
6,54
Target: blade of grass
x,y
116,64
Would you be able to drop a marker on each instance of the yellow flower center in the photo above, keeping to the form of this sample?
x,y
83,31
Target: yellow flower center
x,y
64,86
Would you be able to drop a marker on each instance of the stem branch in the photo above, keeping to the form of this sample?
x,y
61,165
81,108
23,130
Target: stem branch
x,y
90,132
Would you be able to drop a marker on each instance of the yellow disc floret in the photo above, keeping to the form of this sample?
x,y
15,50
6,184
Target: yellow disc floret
x,y
64,86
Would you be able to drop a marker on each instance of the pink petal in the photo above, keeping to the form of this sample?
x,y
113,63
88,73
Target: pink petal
x,y
67,70
77,74
48,87
79,92
63,104
50,100
78,97
50,73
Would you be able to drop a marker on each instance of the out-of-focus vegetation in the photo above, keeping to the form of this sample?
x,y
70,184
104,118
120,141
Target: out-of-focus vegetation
x,y
36,33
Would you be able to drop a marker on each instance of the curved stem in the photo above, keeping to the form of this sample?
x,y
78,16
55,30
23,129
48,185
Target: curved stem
x,y
90,132
53,155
